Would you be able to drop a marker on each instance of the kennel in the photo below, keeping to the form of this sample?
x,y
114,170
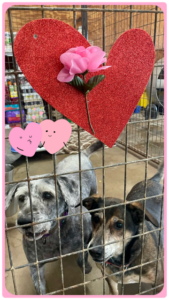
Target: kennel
x,y
141,144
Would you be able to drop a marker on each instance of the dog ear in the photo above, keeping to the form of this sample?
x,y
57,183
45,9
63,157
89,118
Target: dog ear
x,y
134,250
10,195
92,202
68,189
136,209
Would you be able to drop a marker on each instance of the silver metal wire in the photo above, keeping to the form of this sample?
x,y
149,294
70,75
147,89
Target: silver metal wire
x,y
11,261
146,163
125,17
83,9
85,250
92,210
26,159
103,175
96,168
159,241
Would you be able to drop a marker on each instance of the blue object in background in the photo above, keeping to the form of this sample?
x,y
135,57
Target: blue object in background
x,y
137,109
13,150
14,116
11,107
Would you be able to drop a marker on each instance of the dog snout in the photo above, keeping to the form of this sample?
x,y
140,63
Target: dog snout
x,y
96,253
24,221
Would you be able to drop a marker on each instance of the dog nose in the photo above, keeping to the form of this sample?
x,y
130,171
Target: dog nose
x,y
96,252
24,221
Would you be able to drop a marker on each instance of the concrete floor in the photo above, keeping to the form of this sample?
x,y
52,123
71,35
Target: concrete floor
x,y
42,163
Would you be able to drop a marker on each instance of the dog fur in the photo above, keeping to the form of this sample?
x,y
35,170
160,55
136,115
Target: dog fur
x,y
112,256
44,208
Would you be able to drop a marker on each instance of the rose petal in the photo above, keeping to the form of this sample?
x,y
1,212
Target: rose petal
x,y
94,49
86,54
76,49
96,60
64,76
104,60
101,68
66,58
79,49
83,52
79,59
78,65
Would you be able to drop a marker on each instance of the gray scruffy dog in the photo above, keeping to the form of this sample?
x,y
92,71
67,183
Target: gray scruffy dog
x,y
45,208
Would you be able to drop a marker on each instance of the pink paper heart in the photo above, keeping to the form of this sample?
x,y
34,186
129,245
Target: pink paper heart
x,y
55,134
33,117
26,141
41,113
34,108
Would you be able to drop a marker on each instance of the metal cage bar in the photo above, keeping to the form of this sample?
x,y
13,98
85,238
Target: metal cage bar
x,y
26,159
83,9
146,164
96,168
103,171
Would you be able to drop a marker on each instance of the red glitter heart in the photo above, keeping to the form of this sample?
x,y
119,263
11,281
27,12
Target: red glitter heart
x,y
37,49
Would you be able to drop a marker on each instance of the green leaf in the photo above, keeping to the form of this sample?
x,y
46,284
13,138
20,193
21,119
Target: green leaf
x,y
78,83
93,82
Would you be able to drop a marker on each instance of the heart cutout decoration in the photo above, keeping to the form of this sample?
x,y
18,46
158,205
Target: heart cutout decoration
x,y
37,48
55,134
26,141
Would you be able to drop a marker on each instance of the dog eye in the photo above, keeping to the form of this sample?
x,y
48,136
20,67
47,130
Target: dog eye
x,y
96,219
21,198
118,225
47,196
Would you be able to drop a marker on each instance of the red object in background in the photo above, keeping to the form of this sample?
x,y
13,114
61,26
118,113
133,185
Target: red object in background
x,y
7,93
14,116
14,119
12,125
37,48
8,108
14,100
6,88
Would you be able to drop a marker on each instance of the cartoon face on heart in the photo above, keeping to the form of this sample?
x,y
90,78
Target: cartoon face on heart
x,y
55,134
112,102
26,141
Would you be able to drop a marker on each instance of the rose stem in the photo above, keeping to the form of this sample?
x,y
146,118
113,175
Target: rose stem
x,y
88,108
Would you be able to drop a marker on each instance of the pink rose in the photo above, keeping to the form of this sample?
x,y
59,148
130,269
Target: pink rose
x,y
78,60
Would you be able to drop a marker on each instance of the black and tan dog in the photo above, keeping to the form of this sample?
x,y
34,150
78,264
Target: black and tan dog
x,y
114,224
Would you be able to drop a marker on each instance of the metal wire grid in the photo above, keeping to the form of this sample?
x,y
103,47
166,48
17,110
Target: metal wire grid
x,y
117,23
102,11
